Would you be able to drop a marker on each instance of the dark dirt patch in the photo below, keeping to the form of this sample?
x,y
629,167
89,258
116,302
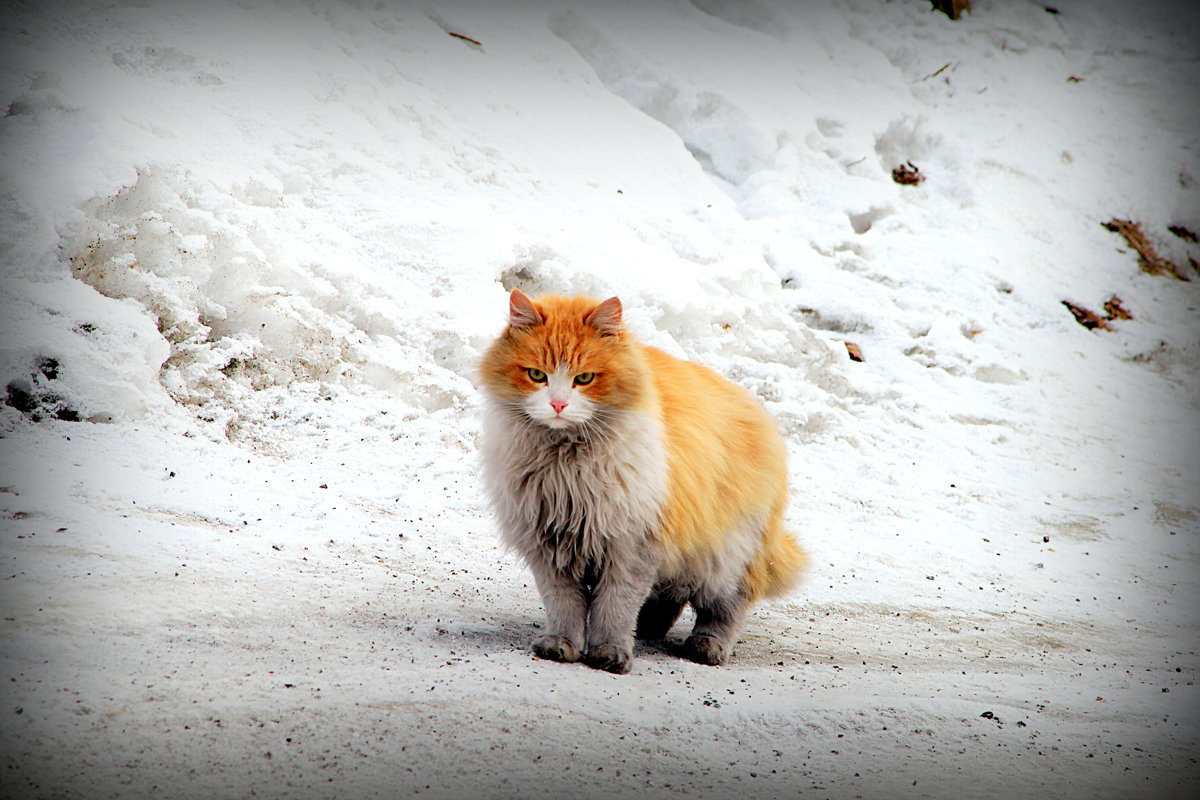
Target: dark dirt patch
x,y
35,398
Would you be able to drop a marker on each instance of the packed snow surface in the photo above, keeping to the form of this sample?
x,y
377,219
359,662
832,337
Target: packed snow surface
x,y
252,254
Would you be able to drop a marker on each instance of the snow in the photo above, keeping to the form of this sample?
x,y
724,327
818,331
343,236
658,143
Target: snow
x,y
252,253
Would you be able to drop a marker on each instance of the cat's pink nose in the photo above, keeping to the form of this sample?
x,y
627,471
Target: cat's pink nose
x,y
558,405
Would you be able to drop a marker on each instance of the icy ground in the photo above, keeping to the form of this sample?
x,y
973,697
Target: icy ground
x,y
252,253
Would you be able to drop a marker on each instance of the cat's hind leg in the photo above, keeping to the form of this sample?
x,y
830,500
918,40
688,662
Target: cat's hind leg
x,y
718,619
660,611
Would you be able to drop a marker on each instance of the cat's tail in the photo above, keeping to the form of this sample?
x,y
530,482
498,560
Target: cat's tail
x,y
778,565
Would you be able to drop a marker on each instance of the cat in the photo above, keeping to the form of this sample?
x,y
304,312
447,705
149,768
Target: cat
x,y
631,483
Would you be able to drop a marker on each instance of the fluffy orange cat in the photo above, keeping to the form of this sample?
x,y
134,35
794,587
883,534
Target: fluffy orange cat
x,y
631,483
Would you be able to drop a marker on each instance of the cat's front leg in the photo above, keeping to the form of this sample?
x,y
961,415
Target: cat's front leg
x,y
620,592
566,613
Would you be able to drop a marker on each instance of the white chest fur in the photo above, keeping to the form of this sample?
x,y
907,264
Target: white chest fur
x,y
575,494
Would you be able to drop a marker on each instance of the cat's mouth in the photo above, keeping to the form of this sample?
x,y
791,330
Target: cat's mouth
x,y
555,422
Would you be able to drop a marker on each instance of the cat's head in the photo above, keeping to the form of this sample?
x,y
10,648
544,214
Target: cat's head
x,y
564,362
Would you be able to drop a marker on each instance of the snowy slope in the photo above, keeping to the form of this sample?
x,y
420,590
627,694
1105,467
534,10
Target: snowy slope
x,y
252,253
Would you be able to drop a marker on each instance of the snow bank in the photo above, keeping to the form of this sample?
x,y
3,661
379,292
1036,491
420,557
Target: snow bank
x,y
367,238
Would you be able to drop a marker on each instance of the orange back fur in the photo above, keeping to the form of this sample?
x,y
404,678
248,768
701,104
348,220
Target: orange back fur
x,y
726,460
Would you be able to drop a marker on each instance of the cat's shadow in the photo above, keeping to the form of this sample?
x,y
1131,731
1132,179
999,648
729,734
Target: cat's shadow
x,y
517,635
671,646
497,635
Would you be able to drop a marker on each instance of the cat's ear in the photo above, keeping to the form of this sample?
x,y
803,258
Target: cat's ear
x,y
606,317
522,313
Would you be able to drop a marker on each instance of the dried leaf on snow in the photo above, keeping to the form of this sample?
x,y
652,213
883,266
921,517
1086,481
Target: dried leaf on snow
x,y
1148,258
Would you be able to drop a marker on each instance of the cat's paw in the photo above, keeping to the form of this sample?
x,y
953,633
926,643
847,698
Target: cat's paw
x,y
555,648
609,658
704,649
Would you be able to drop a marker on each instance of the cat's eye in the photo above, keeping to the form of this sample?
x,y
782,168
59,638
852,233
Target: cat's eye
x,y
536,375
584,378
